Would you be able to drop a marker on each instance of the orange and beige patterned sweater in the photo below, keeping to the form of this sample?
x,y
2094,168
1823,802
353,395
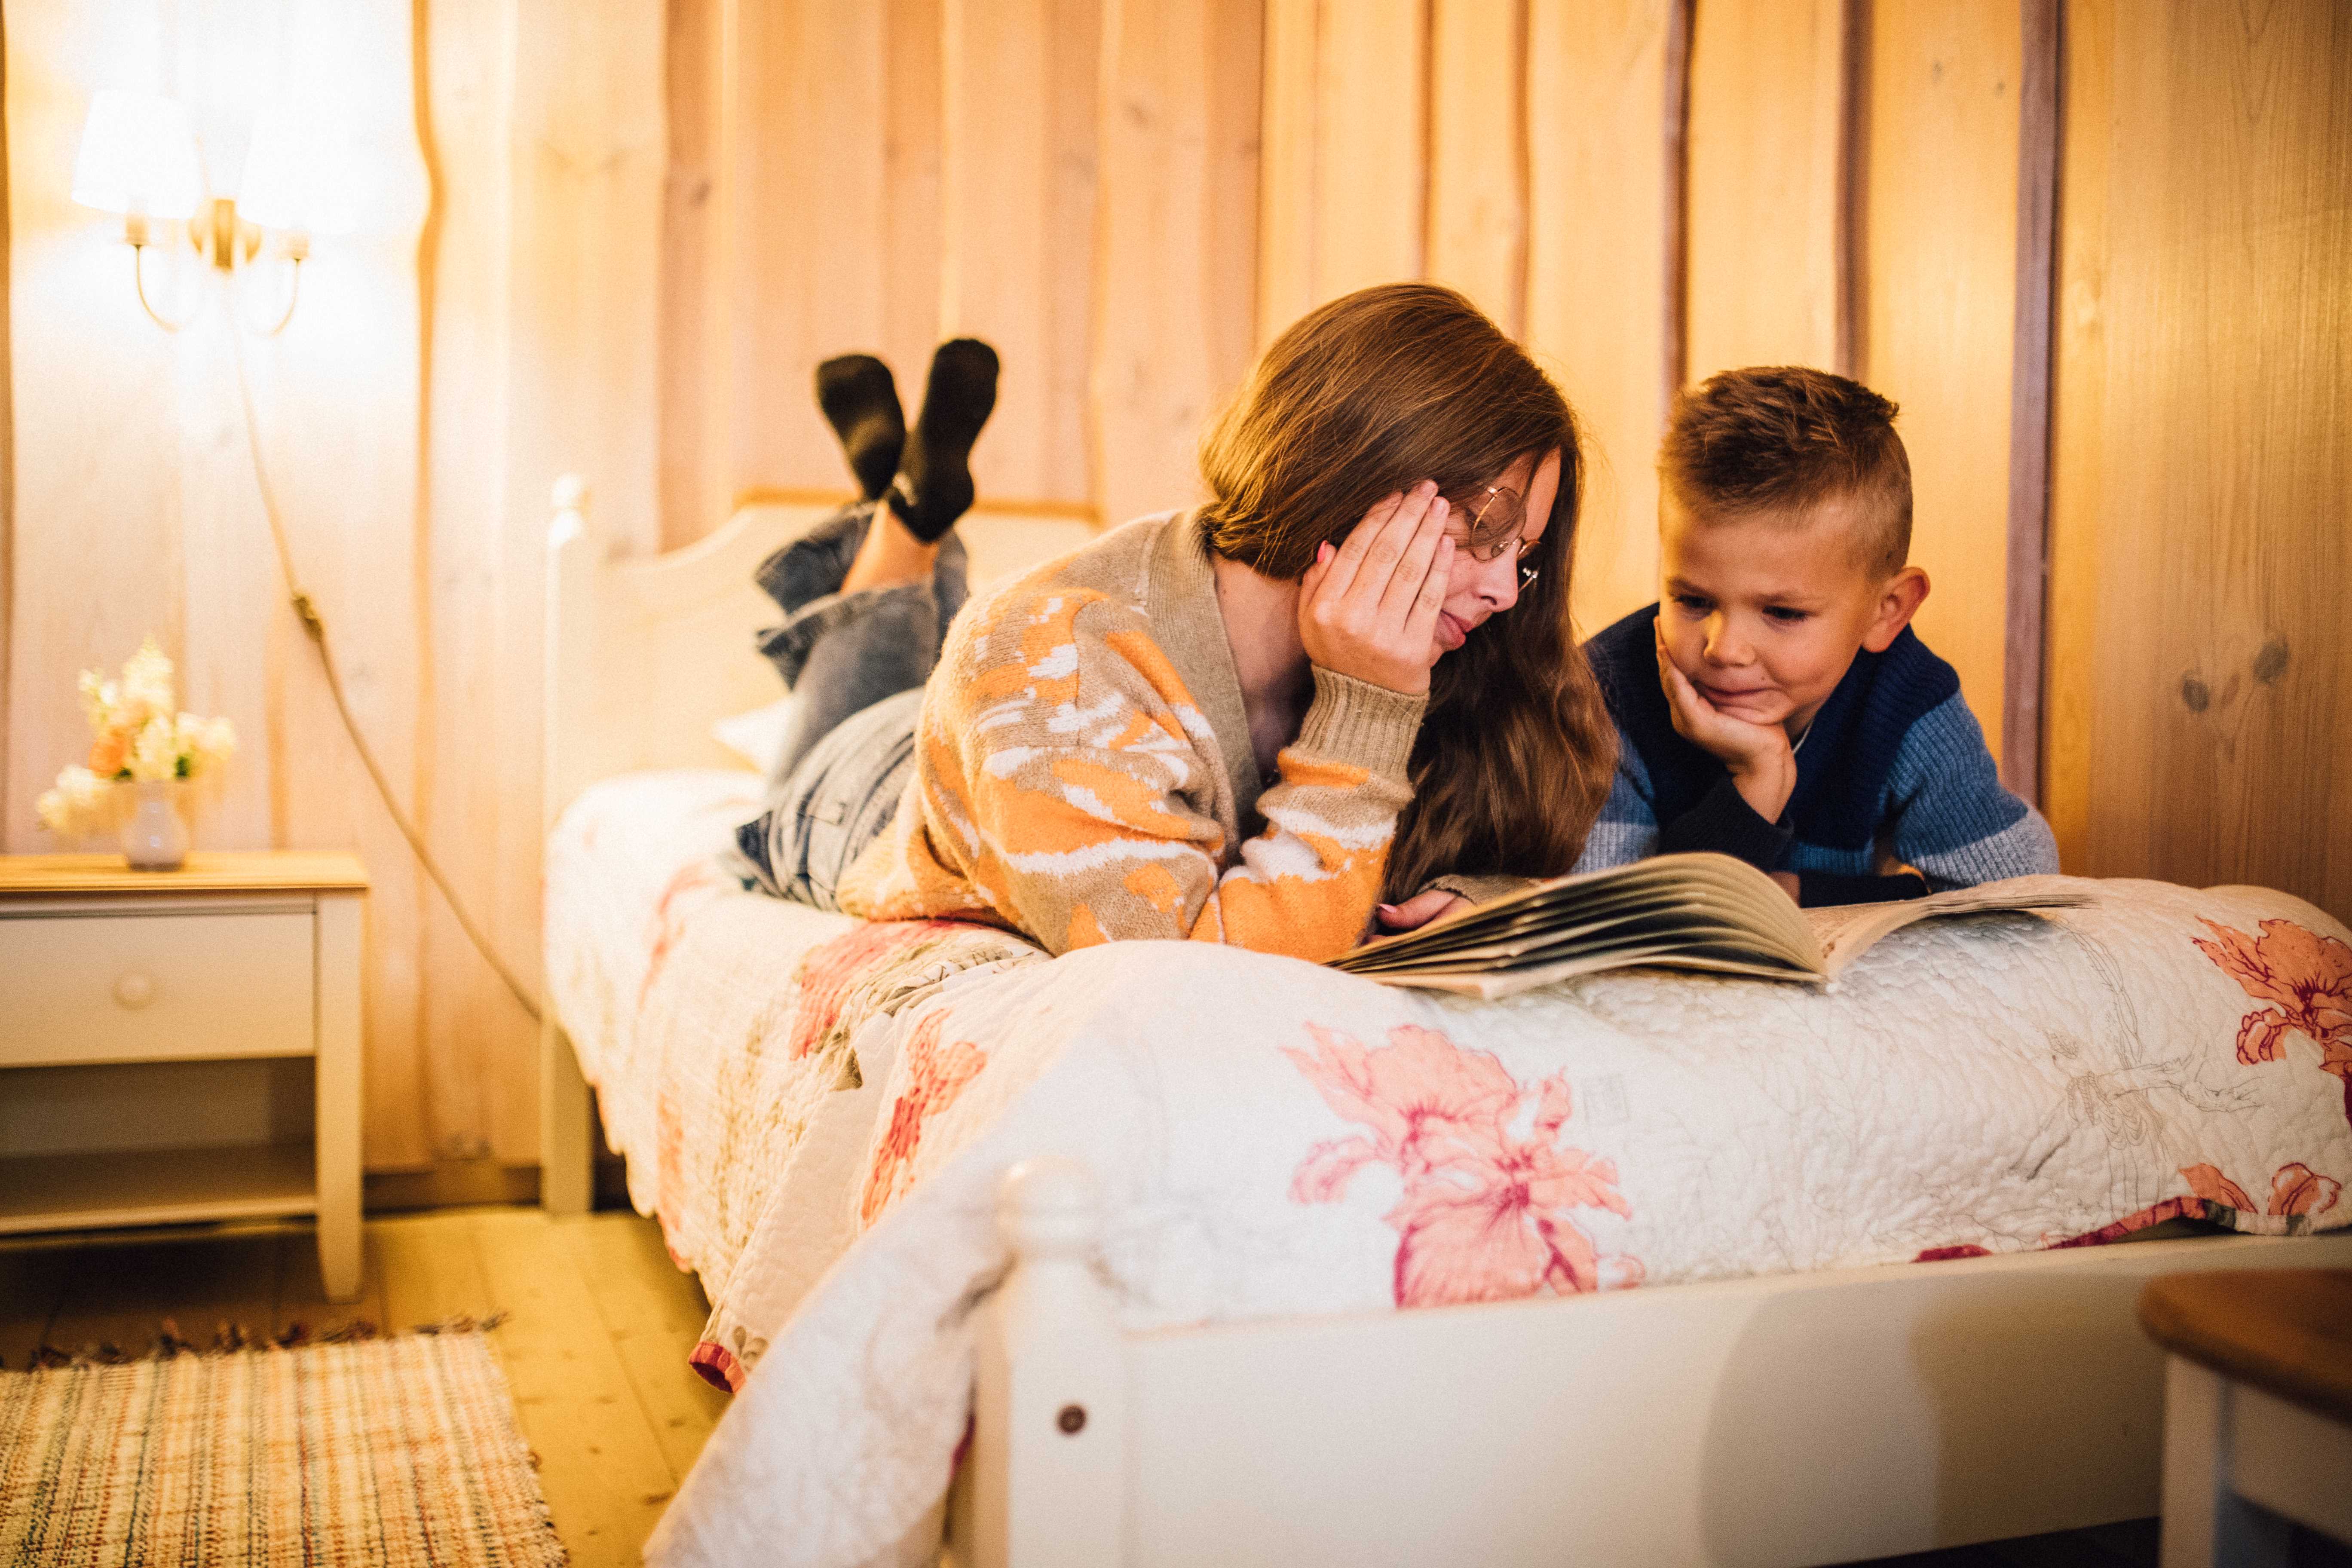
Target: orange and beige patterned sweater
x,y
1083,770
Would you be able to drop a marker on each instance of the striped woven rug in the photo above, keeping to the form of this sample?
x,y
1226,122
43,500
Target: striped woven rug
x,y
401,1452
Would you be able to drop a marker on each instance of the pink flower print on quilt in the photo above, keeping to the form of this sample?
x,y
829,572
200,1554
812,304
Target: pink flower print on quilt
x,y
2306,976
1485,1214
693,887
935,1077
2298,1195
828,972
2295,1189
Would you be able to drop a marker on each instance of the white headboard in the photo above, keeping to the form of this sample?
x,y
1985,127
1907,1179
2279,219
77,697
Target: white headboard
x,y
644,654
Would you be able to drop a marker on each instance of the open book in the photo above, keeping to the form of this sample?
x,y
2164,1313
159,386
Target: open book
x,y
1679,912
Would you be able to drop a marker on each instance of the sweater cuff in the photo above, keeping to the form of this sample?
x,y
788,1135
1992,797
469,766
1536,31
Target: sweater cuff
x,y
1817,889
1483,889
1726,824
1361,725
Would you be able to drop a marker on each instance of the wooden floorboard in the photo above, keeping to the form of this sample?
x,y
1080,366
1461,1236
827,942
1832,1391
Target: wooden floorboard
x,y
301,1295
432,1271
601,1464
650,1308
598,1327
599,1323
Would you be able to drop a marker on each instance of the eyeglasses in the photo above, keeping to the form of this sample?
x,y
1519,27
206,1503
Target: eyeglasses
x,y
1501,514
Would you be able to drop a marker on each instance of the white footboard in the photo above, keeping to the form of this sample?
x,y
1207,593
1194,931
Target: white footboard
x,y
1796,1419
1050,1362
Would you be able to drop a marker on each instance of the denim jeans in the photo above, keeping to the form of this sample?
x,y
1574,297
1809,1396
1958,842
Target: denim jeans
x,y
857,663
834,804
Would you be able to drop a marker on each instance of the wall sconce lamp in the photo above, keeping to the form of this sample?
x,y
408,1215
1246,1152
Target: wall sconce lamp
x,y
139,159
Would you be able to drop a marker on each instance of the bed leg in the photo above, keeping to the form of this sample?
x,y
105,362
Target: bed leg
x,y
1048,1460
567,1146
567,1155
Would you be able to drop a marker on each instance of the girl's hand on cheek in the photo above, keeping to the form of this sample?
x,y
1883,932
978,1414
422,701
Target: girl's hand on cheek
x,y
1369,609
1762,764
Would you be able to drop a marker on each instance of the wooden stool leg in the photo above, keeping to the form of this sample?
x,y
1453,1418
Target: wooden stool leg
x,y
2205,1523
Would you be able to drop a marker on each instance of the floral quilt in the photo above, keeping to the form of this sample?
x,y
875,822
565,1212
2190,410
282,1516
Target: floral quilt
x,y
819,1110
715,1025
1275,1139
674,985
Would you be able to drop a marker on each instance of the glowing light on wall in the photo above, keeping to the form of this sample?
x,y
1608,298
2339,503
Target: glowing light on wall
x,y
139,159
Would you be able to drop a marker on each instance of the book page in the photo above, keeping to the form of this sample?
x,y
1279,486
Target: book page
x,y
1558,927
1675,890
1691,912
1489,984
1649,937
1847,931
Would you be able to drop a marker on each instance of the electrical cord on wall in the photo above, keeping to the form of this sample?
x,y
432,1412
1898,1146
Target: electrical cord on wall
x,y
314,627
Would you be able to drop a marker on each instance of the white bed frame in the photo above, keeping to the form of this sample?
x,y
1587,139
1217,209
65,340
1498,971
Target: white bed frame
x,y
1794,1419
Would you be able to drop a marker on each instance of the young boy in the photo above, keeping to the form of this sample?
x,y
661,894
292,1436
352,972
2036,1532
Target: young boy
x,y
1775,705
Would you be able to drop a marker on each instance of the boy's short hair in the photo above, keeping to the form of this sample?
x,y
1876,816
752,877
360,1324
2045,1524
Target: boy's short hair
x,y
1775,437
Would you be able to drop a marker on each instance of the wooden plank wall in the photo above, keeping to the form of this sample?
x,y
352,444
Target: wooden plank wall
x,y
648,219
128,448
1543,188
611,239
1510,150
1764,114
1176,217
476,548
1939,292
1346,119
546,126
1596,305
1075,181
2199,723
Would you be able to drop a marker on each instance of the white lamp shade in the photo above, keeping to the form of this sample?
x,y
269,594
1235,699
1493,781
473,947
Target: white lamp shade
x,y
138,155
297,176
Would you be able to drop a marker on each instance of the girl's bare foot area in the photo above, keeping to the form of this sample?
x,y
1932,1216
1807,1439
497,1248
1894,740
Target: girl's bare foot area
x,y
890,555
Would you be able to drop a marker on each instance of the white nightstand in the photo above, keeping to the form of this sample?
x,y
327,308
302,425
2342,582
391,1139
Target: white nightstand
x,y
231,956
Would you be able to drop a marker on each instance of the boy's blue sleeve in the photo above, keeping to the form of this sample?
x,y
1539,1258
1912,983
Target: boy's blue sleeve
x,y
1627,829
1951,816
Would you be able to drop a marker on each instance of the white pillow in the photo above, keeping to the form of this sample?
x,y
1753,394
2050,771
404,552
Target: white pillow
x,y
757,736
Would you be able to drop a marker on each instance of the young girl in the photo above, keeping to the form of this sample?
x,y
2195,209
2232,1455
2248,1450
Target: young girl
x,y
1349,678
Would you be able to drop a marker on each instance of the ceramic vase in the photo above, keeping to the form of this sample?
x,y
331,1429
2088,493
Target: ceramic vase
x,y
155,834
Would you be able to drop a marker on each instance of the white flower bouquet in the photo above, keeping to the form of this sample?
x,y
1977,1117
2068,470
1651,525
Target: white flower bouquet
x,y
138,736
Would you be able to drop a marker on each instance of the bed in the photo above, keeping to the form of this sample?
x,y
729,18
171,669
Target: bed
x,y
1169,1253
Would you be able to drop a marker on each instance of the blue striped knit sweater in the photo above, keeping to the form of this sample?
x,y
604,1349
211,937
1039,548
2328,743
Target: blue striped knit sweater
x,y
1893,761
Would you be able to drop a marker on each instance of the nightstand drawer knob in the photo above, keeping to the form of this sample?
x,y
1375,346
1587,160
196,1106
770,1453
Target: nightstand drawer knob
x,y
134,990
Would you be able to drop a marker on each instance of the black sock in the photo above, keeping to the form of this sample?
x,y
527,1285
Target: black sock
x,y
934,484
861,403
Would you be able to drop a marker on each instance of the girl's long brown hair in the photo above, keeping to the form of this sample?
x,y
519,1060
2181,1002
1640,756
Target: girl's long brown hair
x,y
1369,395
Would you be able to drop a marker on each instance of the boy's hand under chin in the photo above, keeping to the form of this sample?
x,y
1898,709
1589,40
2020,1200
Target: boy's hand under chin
x,y
1763,763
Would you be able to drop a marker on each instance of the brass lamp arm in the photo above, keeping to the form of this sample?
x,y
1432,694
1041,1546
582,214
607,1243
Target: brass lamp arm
x,y
293,293
139,247
229,243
